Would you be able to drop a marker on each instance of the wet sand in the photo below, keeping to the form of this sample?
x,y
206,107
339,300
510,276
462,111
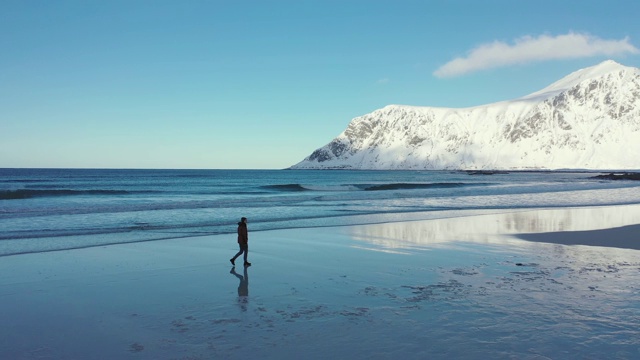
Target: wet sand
x,y
497,286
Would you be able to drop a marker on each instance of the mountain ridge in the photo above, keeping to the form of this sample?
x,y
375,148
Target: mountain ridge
x,y
589,119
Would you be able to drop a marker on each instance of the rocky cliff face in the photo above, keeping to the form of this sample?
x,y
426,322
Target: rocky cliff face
x,y
587,120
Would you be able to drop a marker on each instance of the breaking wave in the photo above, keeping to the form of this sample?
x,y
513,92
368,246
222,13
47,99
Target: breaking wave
x,y
368,187
28,193
286,187
409,186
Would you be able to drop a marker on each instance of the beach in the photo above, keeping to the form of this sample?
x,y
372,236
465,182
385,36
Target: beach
x,y
555,283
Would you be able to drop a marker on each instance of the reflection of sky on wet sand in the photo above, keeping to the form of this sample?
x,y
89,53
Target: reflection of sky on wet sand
x,y
495,229
314,293
499,295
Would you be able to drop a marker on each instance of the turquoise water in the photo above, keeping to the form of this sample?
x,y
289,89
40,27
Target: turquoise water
x,y
51,209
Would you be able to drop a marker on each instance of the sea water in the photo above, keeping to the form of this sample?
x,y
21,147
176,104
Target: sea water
x,y
53,209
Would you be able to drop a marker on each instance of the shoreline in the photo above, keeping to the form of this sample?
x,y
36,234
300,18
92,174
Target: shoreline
x,y
624,237
439,289
604,226
13,247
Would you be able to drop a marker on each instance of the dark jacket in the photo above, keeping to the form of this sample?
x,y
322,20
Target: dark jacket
x,y
243,234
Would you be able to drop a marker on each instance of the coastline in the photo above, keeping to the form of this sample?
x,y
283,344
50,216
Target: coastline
x,y
604,226
624,237
441,288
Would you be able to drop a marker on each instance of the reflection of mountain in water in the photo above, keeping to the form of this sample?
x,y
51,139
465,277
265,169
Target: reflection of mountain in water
x,y
492,228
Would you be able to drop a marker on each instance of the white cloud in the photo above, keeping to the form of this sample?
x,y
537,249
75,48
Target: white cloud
x,y
383,81
531,49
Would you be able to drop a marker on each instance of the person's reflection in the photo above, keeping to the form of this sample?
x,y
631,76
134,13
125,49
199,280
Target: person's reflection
x,y
243,287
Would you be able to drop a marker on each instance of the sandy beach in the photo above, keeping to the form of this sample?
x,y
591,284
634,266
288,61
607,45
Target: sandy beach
x,y
526,284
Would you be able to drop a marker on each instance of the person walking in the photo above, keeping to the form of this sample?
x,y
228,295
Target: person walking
x,y
243,241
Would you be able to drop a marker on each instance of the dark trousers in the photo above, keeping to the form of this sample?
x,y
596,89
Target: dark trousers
x,y
244,248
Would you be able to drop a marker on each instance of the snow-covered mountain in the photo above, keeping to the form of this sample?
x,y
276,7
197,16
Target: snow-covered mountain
x,y
587,120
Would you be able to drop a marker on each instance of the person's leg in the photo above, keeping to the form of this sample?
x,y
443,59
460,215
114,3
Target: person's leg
x,y
246,252
238,254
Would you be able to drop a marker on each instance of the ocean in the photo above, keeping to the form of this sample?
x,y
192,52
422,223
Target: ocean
x,y
55,209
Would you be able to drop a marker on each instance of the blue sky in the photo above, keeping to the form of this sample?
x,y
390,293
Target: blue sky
x,y
262,84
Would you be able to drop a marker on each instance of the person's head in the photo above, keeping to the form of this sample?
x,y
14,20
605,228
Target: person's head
x,y
244,219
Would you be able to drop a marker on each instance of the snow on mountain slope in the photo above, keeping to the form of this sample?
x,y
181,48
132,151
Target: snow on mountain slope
x,y
588,120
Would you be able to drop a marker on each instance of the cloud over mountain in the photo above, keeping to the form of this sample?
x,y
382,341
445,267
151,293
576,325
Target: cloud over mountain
x,y
529,49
